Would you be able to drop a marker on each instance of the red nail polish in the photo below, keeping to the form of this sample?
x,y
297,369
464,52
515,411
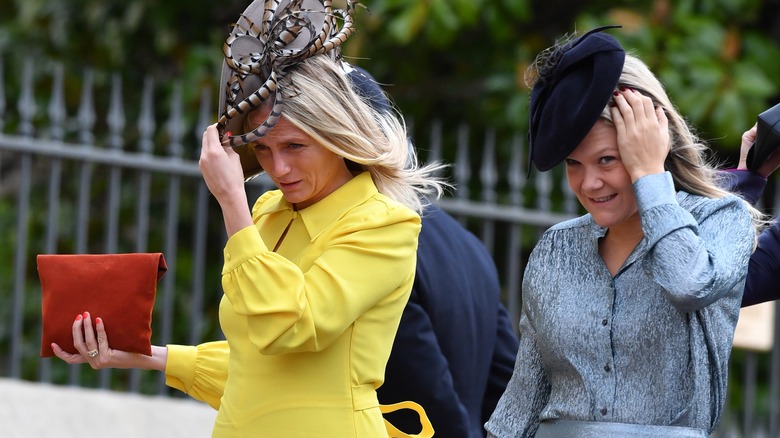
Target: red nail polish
x,y
622,88
98,320
228,133
86,315
615,93
78,317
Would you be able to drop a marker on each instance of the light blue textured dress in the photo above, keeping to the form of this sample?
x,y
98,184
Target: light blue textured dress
x,y
650,345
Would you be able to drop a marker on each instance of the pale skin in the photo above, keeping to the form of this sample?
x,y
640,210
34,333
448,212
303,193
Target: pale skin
x,y
304,171
85,338
603,167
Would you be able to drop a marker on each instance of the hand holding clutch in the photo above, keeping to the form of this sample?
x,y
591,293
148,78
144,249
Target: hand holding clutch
x,y
117,287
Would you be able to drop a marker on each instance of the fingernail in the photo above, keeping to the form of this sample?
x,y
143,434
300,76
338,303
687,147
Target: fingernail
x,y
86,315
622,88
78,317
615,93
98,320
228,133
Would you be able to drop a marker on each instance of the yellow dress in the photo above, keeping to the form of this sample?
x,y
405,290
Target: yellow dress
x,y
309,327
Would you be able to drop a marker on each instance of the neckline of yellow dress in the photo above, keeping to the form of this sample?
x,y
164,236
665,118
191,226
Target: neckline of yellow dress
x,y
284,233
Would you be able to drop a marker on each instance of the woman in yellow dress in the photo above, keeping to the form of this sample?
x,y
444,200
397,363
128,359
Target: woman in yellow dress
x,y
316,274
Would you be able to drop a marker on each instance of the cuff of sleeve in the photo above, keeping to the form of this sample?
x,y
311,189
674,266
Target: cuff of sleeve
x,y
659,210
654,190
745,183
180,366
241,246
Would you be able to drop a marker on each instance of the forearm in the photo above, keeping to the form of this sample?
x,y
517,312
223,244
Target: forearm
x,y
715,254
719,238
125,360
236,215
156,361
221,169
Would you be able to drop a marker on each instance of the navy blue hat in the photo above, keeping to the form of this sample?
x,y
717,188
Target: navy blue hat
x,y
366,86
570,93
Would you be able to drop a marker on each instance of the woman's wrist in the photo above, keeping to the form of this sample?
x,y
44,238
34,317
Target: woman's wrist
x,y
156,361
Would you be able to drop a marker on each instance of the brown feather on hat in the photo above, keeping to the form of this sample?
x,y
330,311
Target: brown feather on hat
x,y
270,38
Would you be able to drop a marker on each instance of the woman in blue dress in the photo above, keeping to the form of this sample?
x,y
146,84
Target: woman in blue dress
x,y
629,311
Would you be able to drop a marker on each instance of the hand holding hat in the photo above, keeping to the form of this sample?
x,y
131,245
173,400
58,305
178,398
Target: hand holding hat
x,y
271,37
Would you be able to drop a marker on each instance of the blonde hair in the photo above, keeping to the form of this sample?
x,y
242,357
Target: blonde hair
x,y
319,100
691,169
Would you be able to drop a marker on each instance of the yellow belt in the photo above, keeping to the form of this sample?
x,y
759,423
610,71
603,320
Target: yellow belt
x,y
393,432
364,397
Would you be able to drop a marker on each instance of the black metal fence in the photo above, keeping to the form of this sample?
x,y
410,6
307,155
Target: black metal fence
x,y
87,178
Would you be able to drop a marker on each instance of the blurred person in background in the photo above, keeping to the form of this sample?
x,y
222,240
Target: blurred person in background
x,y
456,346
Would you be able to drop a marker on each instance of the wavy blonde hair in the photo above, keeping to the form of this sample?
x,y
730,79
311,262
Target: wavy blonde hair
x,y
320,101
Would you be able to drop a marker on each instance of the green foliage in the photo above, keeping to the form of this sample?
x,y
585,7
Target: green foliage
x,y
718,67
438,22
459,56
457,60
136,38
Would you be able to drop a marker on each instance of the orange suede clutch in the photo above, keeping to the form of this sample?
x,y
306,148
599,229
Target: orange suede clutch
x,y
118,288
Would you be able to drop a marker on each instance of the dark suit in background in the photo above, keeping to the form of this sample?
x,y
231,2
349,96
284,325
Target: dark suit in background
x,y
455,348
763,277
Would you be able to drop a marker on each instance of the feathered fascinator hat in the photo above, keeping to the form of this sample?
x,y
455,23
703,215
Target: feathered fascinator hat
x,y
574,84
269,39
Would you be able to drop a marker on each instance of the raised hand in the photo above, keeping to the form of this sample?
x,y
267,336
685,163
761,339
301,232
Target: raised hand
x,y
748,138
766,168
221,169
642,133
220,166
